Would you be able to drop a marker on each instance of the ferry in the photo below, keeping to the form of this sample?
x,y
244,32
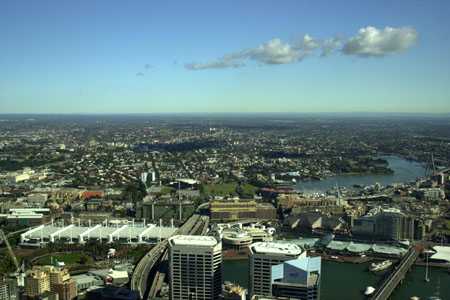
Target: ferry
x,y
375,267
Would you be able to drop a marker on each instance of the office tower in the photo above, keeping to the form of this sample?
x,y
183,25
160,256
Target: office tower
x,y
263,256
389,224
298,278
37,282
8,288
57,275
62,284
4,289
49,278
195,267
66,290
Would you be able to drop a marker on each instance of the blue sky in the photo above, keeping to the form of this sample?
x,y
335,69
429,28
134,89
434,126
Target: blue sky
x,y
228,56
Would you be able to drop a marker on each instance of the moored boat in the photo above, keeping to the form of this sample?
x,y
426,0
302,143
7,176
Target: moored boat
x,y
375,267
369,290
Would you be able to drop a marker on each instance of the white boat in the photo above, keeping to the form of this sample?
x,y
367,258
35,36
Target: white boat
x,y
375,267
369,290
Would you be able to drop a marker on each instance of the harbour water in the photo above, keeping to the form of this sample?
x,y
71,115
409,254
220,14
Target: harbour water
x,y
348,281
404,171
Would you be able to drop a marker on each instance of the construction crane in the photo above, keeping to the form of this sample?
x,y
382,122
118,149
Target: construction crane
x,y
11,252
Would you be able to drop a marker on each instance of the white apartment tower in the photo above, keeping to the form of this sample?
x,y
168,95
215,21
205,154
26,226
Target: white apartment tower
x,y
195,267
264,255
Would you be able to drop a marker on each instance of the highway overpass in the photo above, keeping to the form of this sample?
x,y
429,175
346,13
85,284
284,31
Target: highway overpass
x,y
148,266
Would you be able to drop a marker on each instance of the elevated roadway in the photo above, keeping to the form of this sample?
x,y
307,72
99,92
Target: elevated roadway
x,y
147,275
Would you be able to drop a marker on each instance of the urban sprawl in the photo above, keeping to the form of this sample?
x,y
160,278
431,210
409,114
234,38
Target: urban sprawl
x,y
152,206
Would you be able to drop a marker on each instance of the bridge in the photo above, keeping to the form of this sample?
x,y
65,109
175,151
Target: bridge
x,y
396,276
150,266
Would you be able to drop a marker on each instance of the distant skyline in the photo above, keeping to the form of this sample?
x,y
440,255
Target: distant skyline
x,y
229,56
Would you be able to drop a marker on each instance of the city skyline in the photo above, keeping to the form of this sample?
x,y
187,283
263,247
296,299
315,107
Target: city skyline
x,y
199,57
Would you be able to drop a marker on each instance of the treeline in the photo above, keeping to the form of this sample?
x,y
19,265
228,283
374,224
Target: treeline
x,y
284,154
178,147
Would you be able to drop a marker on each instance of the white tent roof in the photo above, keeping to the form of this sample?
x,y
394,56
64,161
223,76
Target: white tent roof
x,y
442,253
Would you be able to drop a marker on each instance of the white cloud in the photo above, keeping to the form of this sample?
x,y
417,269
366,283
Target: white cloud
x,y
273,52
222,63
309,44
330,45
371,41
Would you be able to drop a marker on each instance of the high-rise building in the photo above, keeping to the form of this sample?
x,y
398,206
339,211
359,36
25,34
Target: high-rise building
x,y
8,288
4,290
37,282
195,267
264,255
297,278
394,225
387,224
57,275
66,290
49,278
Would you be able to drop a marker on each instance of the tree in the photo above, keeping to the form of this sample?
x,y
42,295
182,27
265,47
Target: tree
x,y
83,259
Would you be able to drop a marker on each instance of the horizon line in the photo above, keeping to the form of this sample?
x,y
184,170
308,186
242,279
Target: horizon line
x,y
229,113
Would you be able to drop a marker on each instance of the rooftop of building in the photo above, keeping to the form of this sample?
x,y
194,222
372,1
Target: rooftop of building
x,y
28,210
232,201
236,235
276,248
260,297
303,264
193,240
442,253
25,216
87,278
